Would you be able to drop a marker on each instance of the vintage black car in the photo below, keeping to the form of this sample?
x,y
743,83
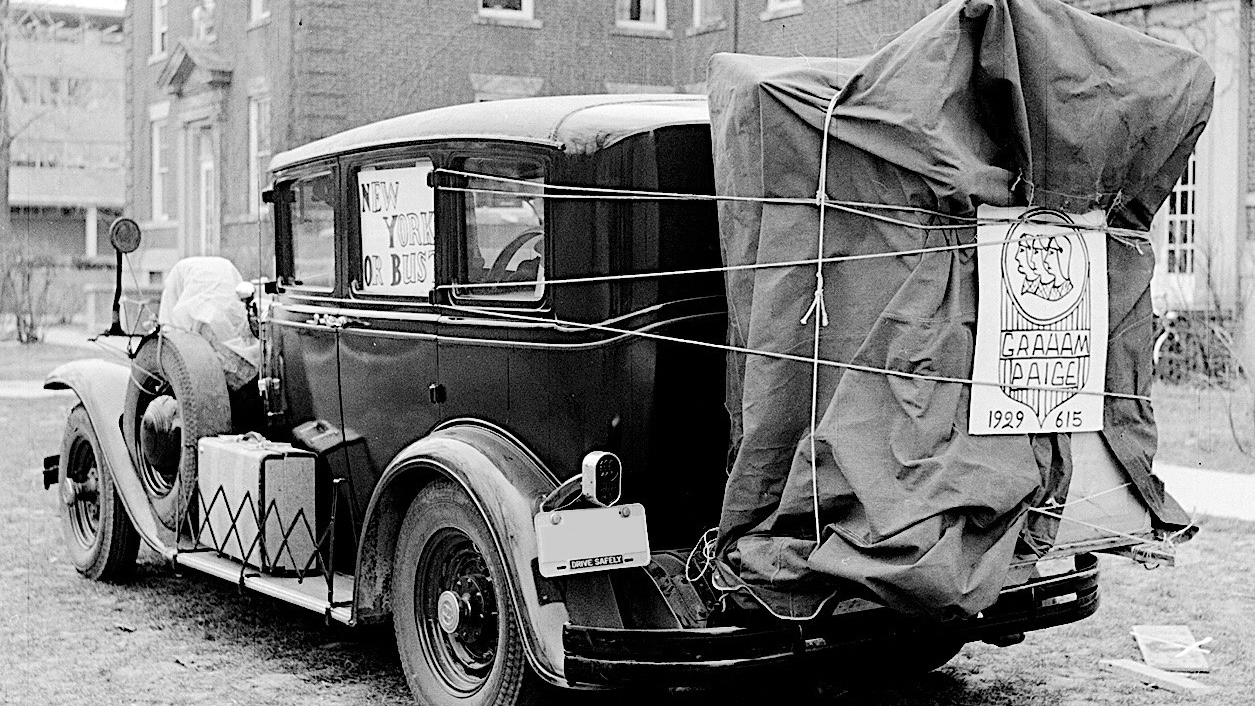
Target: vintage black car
x,y
432,398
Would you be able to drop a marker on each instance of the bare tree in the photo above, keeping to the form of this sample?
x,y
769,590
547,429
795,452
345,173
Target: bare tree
x,y
26,277
6,140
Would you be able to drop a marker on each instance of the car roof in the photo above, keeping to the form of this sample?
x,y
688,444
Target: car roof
x,y
576,124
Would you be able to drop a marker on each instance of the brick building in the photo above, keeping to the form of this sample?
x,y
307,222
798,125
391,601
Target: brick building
x,y
215,88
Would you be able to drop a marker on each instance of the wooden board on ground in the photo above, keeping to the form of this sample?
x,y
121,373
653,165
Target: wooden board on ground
x,y
1171,647
1154,676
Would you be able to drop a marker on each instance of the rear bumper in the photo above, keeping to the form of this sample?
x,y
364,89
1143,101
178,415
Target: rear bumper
x,y
617,656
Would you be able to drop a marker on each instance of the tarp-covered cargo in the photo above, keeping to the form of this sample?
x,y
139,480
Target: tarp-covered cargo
x,y
994,102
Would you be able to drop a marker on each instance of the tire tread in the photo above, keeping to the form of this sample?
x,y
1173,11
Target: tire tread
x,y
112,558
515,684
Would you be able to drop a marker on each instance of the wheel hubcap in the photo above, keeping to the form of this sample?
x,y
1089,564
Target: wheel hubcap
x,y
80,490
449,610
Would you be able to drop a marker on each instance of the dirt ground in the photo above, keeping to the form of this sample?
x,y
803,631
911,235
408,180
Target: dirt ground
x,y
170,639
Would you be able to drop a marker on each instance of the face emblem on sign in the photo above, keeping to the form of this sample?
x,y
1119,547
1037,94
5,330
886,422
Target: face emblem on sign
x,y
1044,354
1045,266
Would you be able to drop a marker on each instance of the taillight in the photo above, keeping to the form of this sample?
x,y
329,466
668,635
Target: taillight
x,y
601,478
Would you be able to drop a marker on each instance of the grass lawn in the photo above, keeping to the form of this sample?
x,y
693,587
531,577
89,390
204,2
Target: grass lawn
x,y
36,360
170,638
1206,427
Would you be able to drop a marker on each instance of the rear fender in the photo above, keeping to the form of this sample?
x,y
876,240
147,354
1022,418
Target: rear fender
x,y
506,483
101,387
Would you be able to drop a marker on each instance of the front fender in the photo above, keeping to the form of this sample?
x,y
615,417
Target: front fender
x,y
506,483
101,387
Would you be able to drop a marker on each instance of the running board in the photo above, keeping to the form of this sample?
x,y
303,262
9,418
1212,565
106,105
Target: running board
x,y
309,593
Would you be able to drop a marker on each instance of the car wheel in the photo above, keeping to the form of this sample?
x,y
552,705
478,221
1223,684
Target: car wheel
x,y
456,631
176,396
101,539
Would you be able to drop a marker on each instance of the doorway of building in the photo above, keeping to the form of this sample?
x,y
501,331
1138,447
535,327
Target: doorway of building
x,y
204,236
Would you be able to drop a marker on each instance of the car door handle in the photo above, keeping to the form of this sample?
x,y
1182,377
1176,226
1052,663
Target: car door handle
x,y
327,321
333,321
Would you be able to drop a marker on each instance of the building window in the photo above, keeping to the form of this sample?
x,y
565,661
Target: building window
x,y
646,14
163,192
494,87
161,27
205,21
159,168
258,10
707,13
258,149
506,9
23,89
781,8
1183,222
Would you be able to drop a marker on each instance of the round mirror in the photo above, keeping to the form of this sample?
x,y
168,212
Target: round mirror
x,y
124,234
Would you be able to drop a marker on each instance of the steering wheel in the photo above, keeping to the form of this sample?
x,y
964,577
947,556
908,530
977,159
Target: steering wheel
x,y
497,273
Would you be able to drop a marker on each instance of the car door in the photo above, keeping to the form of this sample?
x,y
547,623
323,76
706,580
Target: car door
x,y
387,341
302,355
498,223
301,335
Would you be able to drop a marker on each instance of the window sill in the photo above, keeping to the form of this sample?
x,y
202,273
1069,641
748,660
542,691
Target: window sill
x,y
780,12
716,26
244,219
164,224
154,59
258,23
519,22
626,30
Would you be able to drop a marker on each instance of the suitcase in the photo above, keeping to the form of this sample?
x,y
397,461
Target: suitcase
x,y
247,481
340,456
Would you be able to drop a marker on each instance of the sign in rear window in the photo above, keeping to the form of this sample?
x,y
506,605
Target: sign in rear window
x,y
397,209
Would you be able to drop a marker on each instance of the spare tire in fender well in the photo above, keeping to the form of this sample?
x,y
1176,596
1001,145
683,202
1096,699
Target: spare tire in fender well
x,y
183,365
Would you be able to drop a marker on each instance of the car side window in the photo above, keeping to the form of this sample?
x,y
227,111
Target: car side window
x,y
312,222
503,238
396,211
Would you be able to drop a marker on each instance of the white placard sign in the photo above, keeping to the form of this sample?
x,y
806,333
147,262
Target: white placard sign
x,y
398,211
1041,323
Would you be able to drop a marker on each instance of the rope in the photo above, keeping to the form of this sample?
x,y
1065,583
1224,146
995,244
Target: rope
x,y
1083,523
1059,506
705,545
752,266
817,308
779,356
861,208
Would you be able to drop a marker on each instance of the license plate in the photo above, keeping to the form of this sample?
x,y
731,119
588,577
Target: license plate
x,y
579,541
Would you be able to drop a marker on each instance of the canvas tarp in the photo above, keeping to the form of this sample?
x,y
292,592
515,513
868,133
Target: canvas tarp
x,y
1001,102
